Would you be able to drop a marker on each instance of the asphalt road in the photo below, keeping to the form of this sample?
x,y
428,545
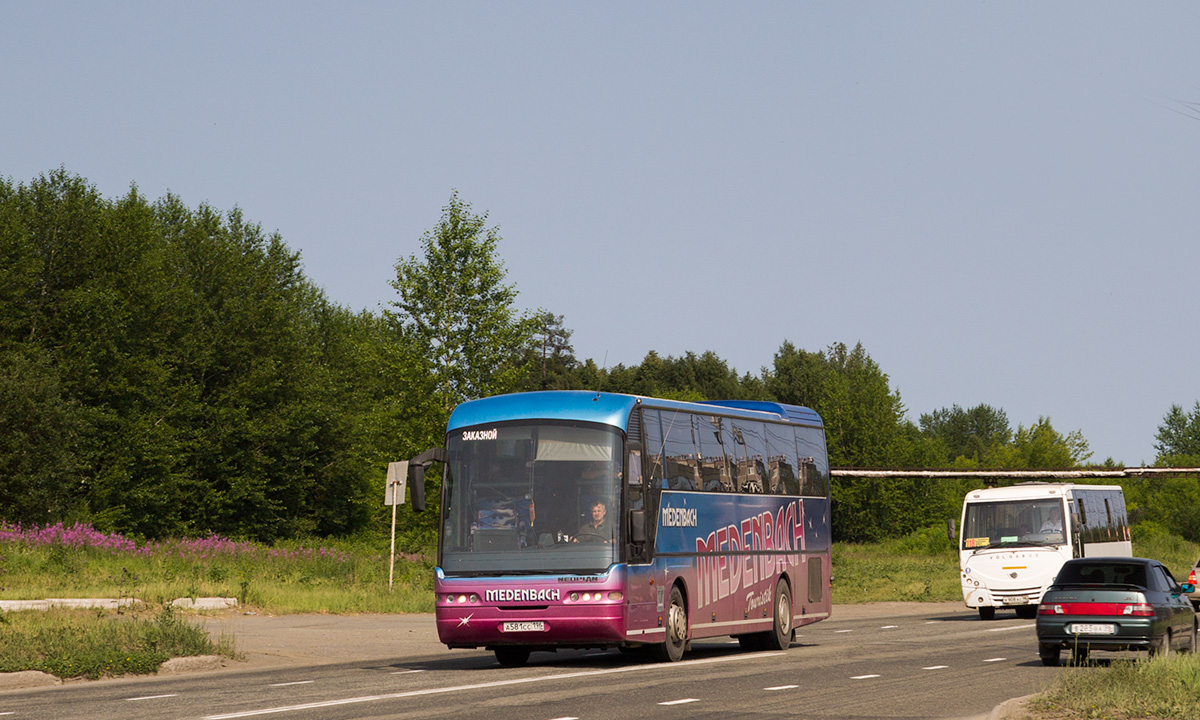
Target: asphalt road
x,y
875,661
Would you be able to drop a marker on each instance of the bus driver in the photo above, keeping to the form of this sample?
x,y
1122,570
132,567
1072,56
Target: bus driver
x,y
599,529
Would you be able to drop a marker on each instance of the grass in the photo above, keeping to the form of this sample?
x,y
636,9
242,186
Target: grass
x,y
341,576
73,644
922,566
1146,688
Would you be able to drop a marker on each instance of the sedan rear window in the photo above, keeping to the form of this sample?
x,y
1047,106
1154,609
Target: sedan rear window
x,y
1102,574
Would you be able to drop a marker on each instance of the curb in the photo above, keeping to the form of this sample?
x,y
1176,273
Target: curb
x,y
1011,709
210,603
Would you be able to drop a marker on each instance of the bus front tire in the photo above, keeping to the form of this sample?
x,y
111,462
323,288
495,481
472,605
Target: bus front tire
x,y
512,656
677,626
987,613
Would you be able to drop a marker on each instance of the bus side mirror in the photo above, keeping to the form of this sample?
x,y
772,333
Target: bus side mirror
x,y
950,533
416,481
637,526
416,474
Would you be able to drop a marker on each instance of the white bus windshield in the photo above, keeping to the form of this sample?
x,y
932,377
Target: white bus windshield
x,y
1013,523
531,497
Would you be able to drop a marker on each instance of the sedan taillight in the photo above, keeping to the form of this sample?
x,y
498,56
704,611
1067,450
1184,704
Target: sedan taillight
x,y
1097,608
1192,576
1138,610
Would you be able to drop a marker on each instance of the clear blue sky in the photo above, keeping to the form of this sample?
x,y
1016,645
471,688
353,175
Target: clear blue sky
x,y
999,200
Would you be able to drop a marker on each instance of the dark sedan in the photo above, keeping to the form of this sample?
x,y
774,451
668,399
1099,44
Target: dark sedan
x,y
1114,604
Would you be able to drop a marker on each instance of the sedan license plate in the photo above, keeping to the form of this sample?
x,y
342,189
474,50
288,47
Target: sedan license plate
x,y
537,626
1092,629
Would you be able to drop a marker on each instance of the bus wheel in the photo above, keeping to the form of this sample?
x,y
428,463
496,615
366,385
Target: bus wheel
x,y
987,613
512,656
677,626
1027,612
780,636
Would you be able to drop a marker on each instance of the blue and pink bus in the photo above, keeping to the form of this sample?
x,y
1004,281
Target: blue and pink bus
x,y
596,520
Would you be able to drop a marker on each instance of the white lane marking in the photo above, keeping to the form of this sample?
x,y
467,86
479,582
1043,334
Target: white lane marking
x,y
841,631
679,702
298,682
1013,627
889,627
152,697
782,687
406,672
932,622
863,677
10,712
995,659
569,717
498,683
936,667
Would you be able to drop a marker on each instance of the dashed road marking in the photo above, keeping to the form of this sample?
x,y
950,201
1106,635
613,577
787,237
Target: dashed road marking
x,y
782,687
889,627
1013,627
936,667
405,672
680,666
995,659
152,697
298,682
863,677
842,631
684,701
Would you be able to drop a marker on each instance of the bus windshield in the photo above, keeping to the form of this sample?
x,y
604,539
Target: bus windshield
x,y
1013,523
531,497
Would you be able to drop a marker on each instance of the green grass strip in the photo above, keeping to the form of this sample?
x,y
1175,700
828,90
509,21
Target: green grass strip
x,y
93,644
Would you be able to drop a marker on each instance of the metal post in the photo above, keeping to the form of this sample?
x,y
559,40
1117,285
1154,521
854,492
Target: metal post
x,y
392,562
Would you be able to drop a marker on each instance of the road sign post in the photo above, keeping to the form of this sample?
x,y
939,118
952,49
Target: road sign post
x,y
393,494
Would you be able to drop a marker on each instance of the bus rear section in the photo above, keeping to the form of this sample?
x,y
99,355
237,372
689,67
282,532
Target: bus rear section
x,y
1015,539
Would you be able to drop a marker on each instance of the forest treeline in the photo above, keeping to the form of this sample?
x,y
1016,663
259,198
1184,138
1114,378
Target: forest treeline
x,y
168,370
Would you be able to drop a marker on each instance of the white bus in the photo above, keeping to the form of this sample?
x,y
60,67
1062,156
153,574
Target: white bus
x,y
1015,539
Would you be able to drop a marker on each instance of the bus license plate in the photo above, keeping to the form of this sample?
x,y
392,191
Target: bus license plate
x,y
1092,629
537,626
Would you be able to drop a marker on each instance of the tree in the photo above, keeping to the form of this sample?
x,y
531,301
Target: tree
x,y
551,357
453,303
1178,437
863,415
969,434
1041,446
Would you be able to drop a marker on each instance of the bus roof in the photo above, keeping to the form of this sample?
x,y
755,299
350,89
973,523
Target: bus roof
x,y
609,408
1030,490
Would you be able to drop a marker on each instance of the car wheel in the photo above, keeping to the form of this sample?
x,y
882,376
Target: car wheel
x,y
780,636
987,613
1049,653
672,649
1164,646
512,656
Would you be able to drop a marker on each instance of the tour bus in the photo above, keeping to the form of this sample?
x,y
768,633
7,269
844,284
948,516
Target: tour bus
x,y
1015,539
574,519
